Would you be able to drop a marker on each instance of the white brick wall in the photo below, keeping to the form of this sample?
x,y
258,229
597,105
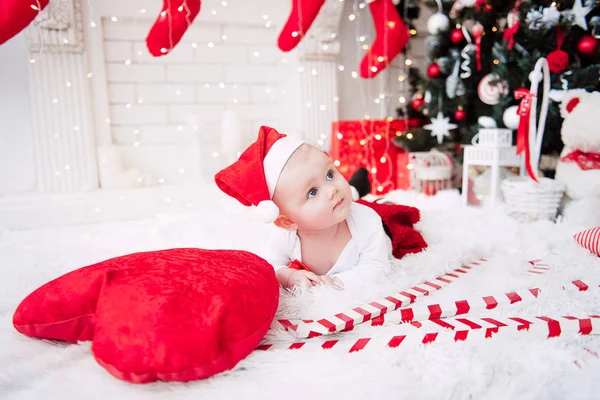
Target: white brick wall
x,y
176,101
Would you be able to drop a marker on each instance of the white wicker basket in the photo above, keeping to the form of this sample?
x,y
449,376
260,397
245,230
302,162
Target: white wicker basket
x,y
527,200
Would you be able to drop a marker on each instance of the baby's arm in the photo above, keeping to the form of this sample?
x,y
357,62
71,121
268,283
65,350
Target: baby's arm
x,y
288,277
277,253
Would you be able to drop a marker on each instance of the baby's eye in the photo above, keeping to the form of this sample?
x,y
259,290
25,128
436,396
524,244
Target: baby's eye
x,y
330,175
312,193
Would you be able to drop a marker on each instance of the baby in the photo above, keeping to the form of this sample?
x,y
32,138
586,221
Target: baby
x,y
324,236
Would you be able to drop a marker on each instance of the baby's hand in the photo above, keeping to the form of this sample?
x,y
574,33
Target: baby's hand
x,y
300,276
335,283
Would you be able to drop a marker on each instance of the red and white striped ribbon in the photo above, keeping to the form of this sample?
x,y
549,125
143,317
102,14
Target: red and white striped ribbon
x,y
452,330
453,308
538,267
469,306
358,315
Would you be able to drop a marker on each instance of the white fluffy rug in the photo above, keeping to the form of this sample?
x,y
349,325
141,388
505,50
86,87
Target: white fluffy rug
x,y
523,367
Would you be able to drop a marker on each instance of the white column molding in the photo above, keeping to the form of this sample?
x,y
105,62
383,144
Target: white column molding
x,y
318,58
62,129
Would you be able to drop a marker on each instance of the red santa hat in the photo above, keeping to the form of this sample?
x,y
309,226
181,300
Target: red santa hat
x,y
252,178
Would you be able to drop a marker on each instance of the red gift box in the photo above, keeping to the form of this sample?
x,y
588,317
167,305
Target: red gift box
x,y
368,143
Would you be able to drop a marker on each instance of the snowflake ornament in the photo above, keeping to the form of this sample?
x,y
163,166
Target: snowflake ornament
x,y
440,127
579,12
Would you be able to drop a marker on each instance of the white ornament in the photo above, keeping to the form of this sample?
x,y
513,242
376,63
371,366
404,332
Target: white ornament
x,y
437,23
534,19
512,18
427,97
580,12
550,16
453,81
487,122
459,5
558,95
511,118
440,127
490,93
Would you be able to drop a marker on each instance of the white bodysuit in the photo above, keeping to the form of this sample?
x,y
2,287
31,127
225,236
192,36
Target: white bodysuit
x,y
366,258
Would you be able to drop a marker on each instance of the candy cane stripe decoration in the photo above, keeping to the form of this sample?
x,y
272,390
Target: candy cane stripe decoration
x,y
538,267
451,331
464,307
454,308
434,312
346,320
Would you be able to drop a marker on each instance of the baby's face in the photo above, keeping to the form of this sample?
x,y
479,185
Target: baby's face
x,y
311,192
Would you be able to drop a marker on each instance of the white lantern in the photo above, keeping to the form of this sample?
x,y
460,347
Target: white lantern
x,y
491,153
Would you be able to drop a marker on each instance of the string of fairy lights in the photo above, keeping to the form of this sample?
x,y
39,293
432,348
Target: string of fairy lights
x,y
383,98
370,137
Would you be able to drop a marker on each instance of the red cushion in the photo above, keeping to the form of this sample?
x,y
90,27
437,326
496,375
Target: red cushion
x,y
177,315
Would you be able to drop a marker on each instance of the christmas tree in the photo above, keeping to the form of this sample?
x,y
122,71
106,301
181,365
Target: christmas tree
x,y
481,51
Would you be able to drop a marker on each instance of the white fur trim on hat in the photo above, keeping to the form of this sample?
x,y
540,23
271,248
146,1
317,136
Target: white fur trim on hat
x,y
276,158
266,211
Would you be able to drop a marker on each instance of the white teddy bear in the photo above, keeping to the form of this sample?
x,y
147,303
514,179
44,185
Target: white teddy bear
x,y
579,165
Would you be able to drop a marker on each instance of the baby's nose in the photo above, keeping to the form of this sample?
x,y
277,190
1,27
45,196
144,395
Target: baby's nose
x,y
334,190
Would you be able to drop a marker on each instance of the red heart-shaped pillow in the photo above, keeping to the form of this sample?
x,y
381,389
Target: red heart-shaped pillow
x,y
176,315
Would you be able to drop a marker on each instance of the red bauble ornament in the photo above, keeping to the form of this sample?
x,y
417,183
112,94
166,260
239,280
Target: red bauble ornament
x,y
418,103
457,36
558,61
587,45
460,115
434,71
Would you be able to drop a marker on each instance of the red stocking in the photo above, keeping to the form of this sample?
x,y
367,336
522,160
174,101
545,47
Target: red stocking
x,y
15,15
301,18
391,38
170,25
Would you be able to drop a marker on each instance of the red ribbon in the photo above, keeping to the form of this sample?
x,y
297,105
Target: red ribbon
x,y
560,36
524,112
479,3
586,161
477,34
509,34
298,266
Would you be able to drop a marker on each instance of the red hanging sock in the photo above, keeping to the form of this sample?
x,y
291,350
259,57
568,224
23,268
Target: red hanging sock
x,y
15,15
170,25
391,36
301,18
